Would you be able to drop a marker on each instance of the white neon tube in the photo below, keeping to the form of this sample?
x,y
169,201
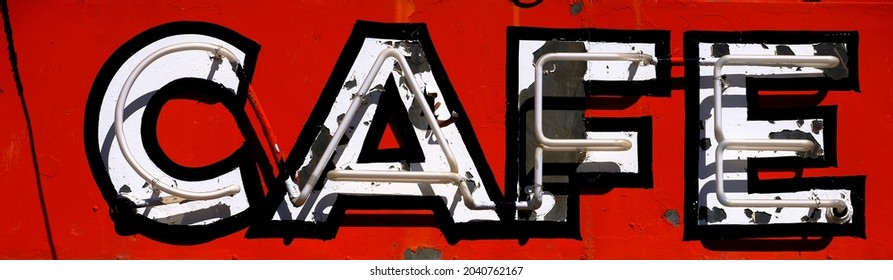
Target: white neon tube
x,y
430,177
452,176
388,176
569,145
758,60
793,145
550,144
119,121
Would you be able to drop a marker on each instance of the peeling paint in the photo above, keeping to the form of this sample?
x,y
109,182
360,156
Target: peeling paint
x,y
716,214
713,215
796,134
418,63
758,217
719,50
838,50
812,216
705,143
783,50
817,126
422,253
673,217
352,83
417,116
453,26
316,150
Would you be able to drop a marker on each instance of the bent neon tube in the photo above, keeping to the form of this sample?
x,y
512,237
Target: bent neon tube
x,y
840,206
570,145
758,60
119,119
550,144
299,197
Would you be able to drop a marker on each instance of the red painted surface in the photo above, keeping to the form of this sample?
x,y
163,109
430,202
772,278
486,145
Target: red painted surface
x,y
185,127
60,46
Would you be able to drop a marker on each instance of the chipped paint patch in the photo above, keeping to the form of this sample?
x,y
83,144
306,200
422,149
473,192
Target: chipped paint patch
x,y
673,217
719,50
783,50
758,217
838,50
350,84
576,8
705,144
422,253
418,63
812,216
817,126
713,215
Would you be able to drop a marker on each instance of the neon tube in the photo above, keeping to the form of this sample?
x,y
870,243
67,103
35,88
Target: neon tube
x,y
839,210
119,121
